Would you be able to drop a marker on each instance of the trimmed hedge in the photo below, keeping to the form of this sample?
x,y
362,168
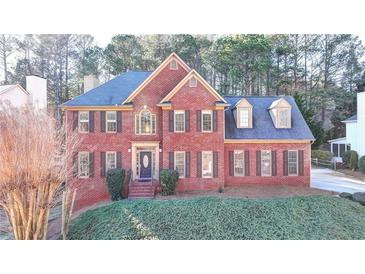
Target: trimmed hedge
x,y
168,180
213,218
322,155
362,163
114,181
351,159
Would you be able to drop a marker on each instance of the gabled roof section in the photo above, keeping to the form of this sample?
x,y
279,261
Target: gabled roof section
x,y
262,125
111,93
7,88
351,119
173,56
193,73
281,102
243,103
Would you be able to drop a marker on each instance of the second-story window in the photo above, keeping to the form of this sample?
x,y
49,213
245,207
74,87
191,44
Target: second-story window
x,y
179,120
207,121
83,121
111,121
145,122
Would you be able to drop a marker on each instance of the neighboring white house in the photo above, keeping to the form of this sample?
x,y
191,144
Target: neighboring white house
x,y
35,93
355,132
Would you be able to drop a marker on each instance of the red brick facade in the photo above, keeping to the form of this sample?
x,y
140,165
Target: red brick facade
x,y
93,190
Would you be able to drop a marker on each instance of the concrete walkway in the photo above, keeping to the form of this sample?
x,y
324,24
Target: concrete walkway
x,y
328,179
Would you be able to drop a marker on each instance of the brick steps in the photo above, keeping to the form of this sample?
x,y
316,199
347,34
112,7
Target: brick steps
x,y
141,191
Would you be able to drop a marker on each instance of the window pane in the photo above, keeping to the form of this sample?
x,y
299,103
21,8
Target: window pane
x,y
266,163
207,121
244,117
110,160
111,126
83,164
293,162
207,164
111,115
283,118
180,163
179,121
146,122
84,116
238,163
84,126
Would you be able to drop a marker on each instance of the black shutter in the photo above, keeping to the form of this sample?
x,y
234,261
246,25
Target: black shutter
x,y
102,164
102,121
273,163
198,120
187,120
75,119
187,164
231,163
215,120
258,163
247,163
91,121
171,120
199,165
301,162
75,164
215,164
171,160
91,164
119,121
119,159
285,163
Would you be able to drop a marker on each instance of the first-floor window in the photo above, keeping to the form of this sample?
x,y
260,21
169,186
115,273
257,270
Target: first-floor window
x,y
239,164
111,121
111,160
265,163
207,164
83,164
293,162
180,163
83,121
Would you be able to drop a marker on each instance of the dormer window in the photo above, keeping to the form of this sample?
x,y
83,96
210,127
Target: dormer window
x,y
173,65
280,112
243,114
193,82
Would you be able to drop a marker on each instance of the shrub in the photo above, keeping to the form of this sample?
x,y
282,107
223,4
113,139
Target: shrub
x,y
362,163
168,179
322,155
346,195
114,180
353,159
359,197
220,189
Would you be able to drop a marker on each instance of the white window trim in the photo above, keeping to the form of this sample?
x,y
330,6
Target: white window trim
x,y
211,153
288,120
171,66
106,159
179,112
153,117
175,156
234,163
248,117
211,120
79,164
84,121
110,121
296,174
266,175
193,85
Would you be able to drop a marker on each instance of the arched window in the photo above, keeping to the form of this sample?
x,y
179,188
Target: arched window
x,y
145,122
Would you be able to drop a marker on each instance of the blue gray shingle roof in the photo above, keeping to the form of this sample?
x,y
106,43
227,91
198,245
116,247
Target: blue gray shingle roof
x,y
351,119
262,126
113,92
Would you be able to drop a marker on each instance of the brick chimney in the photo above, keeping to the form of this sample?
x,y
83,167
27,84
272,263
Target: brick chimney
x,y
90,82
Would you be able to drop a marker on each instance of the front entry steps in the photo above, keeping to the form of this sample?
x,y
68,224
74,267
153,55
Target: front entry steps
x,y
138,190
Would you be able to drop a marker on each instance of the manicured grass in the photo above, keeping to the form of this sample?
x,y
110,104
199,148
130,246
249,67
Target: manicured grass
x,y
310,217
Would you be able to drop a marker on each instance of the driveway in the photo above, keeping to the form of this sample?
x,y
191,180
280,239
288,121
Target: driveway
x,y
328,179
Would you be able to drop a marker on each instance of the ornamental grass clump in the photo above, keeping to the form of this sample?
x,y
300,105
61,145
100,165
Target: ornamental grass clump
x,y
32,168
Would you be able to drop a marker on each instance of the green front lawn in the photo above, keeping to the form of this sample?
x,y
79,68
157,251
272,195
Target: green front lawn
x,y
310,217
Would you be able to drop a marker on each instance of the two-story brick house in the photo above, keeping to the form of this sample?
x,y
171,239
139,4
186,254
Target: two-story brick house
x,y
172,118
